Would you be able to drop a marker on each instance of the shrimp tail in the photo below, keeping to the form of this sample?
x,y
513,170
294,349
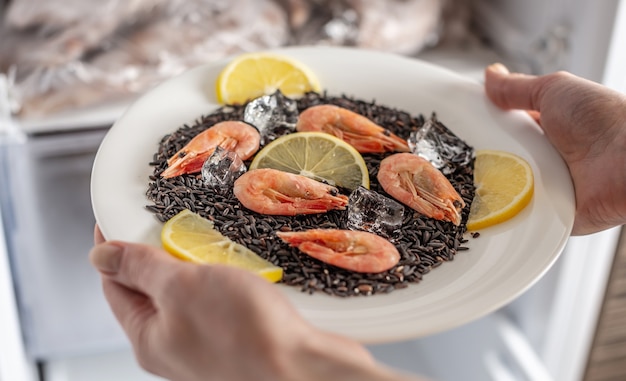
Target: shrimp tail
x,y
292,238
321,205
395,143
190,163
377,143
303,206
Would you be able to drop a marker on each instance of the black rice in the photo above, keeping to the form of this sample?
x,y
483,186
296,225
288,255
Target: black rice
x,y
423,243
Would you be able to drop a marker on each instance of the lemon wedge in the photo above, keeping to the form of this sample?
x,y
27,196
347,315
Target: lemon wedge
x,y
504,186
252,75
317,155
193,238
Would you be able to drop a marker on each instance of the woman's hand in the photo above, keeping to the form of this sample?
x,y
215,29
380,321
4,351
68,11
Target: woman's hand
x,y
198,322
586,123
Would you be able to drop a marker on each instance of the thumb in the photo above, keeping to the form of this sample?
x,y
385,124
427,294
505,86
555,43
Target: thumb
x,y
142,268
134,278
511,91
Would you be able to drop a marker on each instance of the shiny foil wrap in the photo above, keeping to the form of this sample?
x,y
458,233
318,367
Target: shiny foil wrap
x,y
64,55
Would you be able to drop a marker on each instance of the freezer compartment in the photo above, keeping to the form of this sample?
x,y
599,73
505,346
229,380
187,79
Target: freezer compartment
x,y
545,36
49,224
68,325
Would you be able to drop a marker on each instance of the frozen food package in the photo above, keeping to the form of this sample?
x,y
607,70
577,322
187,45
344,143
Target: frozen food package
x,y
64,59
397,26
68,54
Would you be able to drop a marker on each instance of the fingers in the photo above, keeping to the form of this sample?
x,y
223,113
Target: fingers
x,y
141,268
135,279
535,115
132,309
511,91
98,238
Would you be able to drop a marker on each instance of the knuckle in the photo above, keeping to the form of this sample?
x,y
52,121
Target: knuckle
x,y
183,283
554,79
148,361
561,74
144,361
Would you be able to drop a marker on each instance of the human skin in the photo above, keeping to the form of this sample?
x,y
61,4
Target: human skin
x,y
586,123
192,322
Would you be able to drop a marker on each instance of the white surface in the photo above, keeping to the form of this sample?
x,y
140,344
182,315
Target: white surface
x,y
614,75
504,262
96,116
50,225
577,303
107,366
14,364
488,349
486,355
545,36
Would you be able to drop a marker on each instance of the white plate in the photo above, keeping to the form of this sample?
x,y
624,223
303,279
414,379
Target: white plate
x,y
501,264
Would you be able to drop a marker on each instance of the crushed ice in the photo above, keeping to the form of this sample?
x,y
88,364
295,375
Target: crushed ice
x,y
221,170
371,211
437,144
273,115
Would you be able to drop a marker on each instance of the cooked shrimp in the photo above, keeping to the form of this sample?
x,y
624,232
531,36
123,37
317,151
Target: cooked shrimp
x,y
231,135
355,129
415,182
270,191
351,250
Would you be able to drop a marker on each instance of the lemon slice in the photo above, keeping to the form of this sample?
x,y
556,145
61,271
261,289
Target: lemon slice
x,y
253,75
193,238
317,155
504,186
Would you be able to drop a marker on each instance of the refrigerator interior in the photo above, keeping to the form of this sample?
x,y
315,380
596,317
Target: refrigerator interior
x,y
68,331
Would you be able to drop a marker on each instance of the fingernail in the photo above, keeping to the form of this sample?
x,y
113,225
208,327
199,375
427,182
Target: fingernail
x,y
499,68
107,257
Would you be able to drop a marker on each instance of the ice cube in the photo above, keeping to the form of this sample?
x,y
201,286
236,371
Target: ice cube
x,y
221,170
437,144
273,115
371,211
